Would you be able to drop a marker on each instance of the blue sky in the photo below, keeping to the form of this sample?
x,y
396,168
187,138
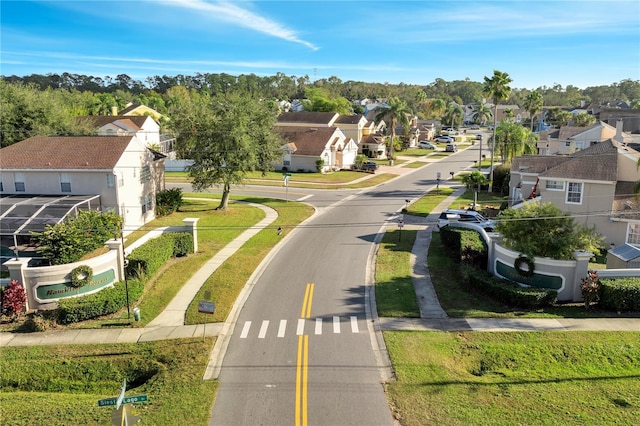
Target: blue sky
x,y
538,43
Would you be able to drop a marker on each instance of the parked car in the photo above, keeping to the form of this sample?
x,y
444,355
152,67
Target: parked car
x,y
444,138
426,145
479,137
475,127
450,131
451,147
369,166
465,216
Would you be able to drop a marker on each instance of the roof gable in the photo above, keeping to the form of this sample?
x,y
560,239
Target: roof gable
x,y
309,141
325,119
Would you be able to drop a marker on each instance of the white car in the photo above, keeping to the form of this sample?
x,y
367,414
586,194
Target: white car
x,y
470,216
426,145
443,138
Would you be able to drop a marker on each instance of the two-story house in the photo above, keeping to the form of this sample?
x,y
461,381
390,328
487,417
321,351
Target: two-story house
x,y
593,185
305,146
59,173
569,139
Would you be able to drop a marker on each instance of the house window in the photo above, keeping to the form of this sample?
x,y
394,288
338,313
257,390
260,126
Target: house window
x,y
18,180
65,182
554,184
633,234
146,203
567,144
145,174
574,193
579,145
111,180
286,163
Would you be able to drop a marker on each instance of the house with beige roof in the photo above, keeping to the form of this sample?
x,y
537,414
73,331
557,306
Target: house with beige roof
x,y
305,146
107,173
570,139
593,185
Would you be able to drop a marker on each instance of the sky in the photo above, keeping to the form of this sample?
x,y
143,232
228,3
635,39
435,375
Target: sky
x,y
538,43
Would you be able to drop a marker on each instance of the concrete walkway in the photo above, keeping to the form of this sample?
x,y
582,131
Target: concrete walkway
x,y
170,323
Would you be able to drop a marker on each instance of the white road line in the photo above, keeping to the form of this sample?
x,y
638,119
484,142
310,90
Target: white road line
x,y
263,329
336,325
305,197
245,330
354,325
282,328
318,325
300,329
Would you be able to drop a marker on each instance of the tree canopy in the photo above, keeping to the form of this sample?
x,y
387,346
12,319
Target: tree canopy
x,y
542,229
227,136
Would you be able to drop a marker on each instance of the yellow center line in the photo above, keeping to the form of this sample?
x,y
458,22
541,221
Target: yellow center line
x,y
302,365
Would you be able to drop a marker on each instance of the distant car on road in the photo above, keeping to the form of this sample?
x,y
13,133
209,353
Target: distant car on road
x,y
443,138
479,137
451,147
475,127
426,145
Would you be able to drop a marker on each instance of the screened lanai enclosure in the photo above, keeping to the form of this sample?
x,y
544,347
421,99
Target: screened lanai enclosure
x,y
20,215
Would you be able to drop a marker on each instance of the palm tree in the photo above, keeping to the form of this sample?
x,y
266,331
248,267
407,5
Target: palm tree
x,y
474,180
482,114
437,107
513,140
454,112
533,103
394,113
497,88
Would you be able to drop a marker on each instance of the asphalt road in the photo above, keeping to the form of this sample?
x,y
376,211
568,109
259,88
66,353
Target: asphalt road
x,y
303,350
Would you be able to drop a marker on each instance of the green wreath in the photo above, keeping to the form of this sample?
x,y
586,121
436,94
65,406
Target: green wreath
x,y
517,264
81,276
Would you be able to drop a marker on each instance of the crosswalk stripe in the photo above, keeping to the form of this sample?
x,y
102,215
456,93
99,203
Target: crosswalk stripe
x,y
245,330
354,324
263,329
282,328
318,325
300,329
336,325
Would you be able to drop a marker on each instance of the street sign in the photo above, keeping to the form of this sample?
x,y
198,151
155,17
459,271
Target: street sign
x,y
126,400
206,307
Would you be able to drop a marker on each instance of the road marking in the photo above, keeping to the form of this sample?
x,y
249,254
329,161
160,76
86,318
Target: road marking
x,y
302,378
282,328
306,302
318,325
354,324
245,330
263,329
300,329
336,325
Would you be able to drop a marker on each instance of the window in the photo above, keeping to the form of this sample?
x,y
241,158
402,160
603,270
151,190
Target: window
x,y
633,234
145,174
579,145
111,180
18,180
146,203
553,184
574,193
65,182
567,144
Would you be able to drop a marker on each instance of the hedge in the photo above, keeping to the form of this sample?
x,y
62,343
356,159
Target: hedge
x,y
512,293
620,294
464,245
105,302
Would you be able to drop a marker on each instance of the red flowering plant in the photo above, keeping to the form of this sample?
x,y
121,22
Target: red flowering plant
x,y
13,300
590,288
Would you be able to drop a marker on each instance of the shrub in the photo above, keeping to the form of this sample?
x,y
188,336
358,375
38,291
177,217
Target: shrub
x,y
13,299
621,294
590,287
464,245
68,241
149,257
168,201
182,244
105,302
512,293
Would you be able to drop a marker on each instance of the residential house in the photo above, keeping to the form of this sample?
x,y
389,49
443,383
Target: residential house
x,y
142,110
373,146
353,126
145,128
593,185
569,139
427,129
108,173
305,146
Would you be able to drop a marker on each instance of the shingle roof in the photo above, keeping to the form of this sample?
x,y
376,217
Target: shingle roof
x,y
64,153
307,141
320,118
135,121
597,162
349,119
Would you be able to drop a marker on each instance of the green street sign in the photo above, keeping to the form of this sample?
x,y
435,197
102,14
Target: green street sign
x,y
126,400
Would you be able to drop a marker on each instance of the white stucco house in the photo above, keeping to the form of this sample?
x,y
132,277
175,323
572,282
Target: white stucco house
x,y
45,178
305,146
